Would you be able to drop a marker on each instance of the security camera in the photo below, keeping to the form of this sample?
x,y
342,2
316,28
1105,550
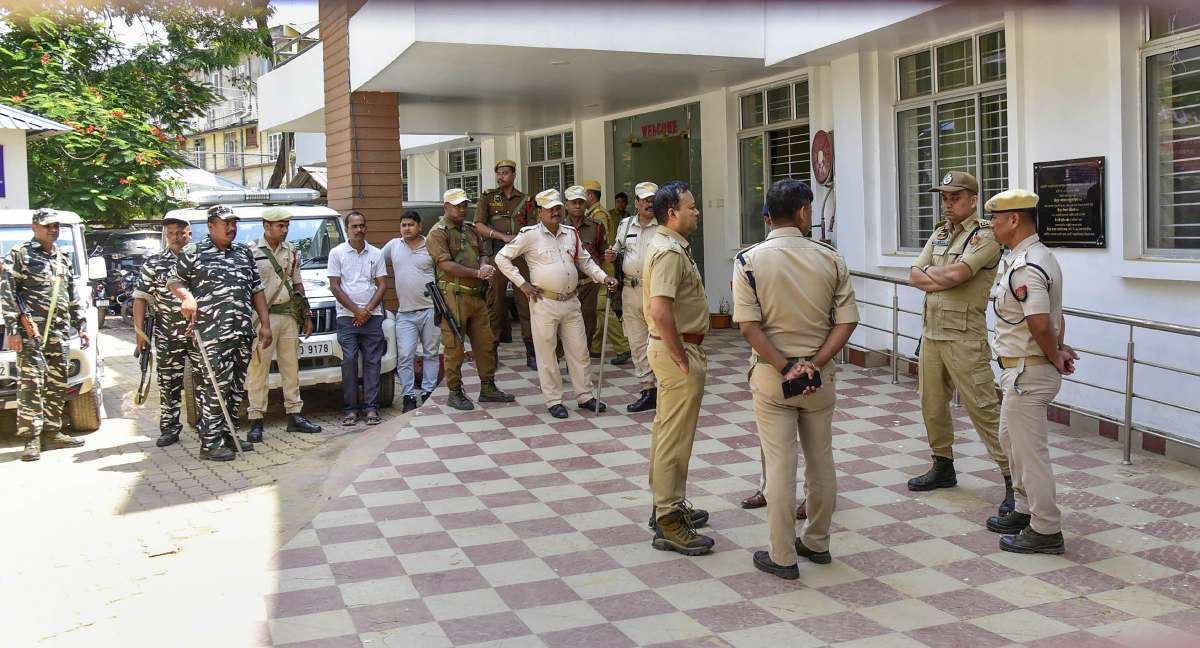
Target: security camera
x,y
470,137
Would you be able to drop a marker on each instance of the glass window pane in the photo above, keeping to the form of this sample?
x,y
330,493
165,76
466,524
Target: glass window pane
x,y
470,184
914,148
535,180
554,150
1165,21
802,100
955,65
788,152
569,145
956,137
992,63
752,110
453,182
568,174
779,104
551,178
456,162
916,78
750,168
471,160
537,149
1173,142
993,137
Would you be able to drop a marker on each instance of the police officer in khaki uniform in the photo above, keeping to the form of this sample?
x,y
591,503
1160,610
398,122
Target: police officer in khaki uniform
x,y
956,270
592,238
794,337
1033,359
633,238
279,267
556,256
500,214
676,311
462,271
617,343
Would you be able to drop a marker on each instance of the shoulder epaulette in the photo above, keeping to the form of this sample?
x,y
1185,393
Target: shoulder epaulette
x,y
824,245
939,224
528,227
739,256
570,227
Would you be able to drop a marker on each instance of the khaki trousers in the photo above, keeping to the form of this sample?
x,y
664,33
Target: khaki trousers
x,y
552,320
617,344
1027,394
781,423
636,331
497,304
965,365
674,430
587,294
472,314
285,347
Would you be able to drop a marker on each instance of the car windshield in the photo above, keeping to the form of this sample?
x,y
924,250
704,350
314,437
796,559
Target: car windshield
x,y
313,237
13,235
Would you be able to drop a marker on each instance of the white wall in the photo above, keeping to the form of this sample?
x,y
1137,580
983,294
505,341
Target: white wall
x,y
16,172
310,148
827,23
292,97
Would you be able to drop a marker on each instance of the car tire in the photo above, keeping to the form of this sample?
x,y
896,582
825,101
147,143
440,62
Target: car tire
x,y
387,389
83,411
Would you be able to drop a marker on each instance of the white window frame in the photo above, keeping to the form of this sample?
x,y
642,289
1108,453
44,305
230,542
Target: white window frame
x,y
977,91
274,143
462,177
1153,47
405,165
200,152
231,156
764,130
562,162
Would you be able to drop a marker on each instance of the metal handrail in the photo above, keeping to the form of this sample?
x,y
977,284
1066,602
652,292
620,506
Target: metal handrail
x,y
1130,359
279,51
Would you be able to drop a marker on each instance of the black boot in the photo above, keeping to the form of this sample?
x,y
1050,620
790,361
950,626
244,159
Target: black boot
x,y
298,423
646,401
165,440
214,449
1010,501
1013,522
410,404
941,475
1029,541
530,356
255,435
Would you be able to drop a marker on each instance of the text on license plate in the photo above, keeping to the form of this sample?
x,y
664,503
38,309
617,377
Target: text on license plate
x,y
315,349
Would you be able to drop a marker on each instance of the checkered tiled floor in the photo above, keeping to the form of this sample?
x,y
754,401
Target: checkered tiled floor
x,y
502,526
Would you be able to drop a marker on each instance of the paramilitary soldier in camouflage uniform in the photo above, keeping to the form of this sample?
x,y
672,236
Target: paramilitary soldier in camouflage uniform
x,y
38,282
170,337
217,281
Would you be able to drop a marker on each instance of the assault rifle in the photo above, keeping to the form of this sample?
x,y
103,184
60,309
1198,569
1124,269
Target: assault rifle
x,y
441,310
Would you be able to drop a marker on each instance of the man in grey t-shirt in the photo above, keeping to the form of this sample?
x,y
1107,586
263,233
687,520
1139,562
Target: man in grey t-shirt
x,y
413,268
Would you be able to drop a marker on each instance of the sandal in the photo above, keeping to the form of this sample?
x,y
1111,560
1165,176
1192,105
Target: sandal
x,y
350,419
373,418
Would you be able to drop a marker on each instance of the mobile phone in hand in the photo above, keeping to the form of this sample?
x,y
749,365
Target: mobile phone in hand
x,y
796,386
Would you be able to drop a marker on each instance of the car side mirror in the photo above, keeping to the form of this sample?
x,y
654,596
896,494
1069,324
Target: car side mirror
x,y
97,270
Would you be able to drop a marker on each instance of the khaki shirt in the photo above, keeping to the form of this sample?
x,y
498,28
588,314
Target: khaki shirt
x,y
671,271
961,312
1029,283
797,288
598,213
288,261
592,235
449,242
503,214
554,259
632,239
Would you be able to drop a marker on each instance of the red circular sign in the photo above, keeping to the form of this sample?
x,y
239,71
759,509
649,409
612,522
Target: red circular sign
x,y
822,157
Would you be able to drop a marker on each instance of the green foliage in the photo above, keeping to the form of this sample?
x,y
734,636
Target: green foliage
x,y
127,105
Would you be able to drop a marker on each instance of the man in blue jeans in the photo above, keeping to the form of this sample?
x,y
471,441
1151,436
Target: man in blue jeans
x,y
413,268
357,274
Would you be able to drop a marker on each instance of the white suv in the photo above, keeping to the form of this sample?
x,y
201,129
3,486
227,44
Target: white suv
x,y
315,230
84,366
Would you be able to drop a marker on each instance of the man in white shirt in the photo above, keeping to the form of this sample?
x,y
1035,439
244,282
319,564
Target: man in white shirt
x,y
356,278
633,235
413,269
555,256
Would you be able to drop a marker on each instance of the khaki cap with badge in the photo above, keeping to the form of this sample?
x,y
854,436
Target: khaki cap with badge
x,y
276,215
592,185
454,196
645,190
957,181
575,192
549,199
505,163
1012,200
46,217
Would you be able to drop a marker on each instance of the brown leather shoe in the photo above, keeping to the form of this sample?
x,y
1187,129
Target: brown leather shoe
x,y
757,500
802,510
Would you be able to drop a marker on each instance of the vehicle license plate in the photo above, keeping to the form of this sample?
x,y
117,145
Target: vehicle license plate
x,y
101,302
315,349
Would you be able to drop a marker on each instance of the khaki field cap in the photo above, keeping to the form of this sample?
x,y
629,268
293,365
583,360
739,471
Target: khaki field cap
x,y
46,217
548,199
575,192
645,189
505,163
1012,200
591,185
455,196
957,181
276,214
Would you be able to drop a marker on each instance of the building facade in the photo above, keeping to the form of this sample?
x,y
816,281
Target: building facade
x,y
730,97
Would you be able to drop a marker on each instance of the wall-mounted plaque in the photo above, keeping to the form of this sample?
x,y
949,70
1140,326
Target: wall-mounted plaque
x,y
1071,210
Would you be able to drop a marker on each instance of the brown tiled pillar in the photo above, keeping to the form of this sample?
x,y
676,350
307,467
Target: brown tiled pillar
x,y
362,134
